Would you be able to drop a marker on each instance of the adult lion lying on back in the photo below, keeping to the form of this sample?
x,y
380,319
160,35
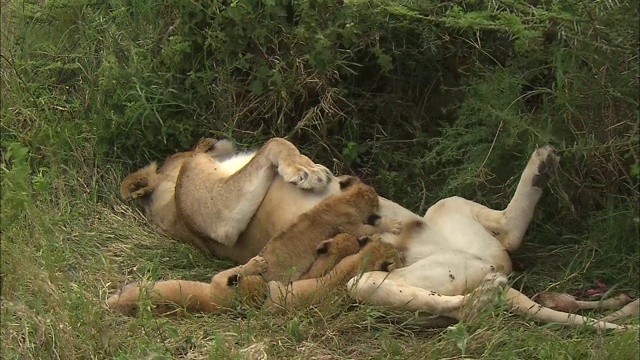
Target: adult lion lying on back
x,y
232,205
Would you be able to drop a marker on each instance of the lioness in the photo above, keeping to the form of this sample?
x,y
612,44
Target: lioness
x,y
231,207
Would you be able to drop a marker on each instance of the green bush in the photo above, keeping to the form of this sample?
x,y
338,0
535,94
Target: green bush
x,y
390,89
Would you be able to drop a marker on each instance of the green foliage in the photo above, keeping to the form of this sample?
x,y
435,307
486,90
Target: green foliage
x,y
423,99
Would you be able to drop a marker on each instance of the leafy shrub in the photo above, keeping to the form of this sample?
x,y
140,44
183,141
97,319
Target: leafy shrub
x,y
416,90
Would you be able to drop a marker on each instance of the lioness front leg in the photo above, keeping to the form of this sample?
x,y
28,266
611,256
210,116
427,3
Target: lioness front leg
x,y
296,168
233,197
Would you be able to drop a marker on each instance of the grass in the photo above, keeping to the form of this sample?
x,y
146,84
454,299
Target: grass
x,y
68,240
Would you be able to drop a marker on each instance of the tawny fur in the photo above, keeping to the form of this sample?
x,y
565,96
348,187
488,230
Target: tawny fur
x,y
241,285
233,207
329,253
226,288
291,253
375,255
229,204
631,309
141,183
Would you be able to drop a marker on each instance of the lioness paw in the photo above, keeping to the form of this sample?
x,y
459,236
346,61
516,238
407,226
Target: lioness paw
x,y
546,162
314,177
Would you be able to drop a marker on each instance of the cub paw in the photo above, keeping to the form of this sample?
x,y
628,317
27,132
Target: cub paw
x,y
125,300
314,177
547,164
257,265
393,226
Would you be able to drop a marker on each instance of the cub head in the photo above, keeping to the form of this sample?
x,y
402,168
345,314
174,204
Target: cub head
x,y
140,183
346,181
250,290
330,252
339,246
379,255
364,199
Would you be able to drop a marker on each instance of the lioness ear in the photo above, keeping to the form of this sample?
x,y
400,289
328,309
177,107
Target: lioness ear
x,y
324,247
346,181
204,145
222,149
139,183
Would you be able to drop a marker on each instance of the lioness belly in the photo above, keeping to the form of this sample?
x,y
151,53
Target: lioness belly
x,y
280,208
445,272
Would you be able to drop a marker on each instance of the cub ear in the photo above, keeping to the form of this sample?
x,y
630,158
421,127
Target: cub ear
x,y
324,247
364,240
388,266
233,280
374,219
139,183
346,181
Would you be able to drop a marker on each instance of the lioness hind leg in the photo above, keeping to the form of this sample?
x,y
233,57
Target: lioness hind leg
x,y
217,149
478,300
204,145
140,183
519,212
374,288
510,224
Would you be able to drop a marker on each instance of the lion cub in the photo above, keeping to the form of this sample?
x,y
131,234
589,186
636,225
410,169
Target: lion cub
x,y
194,296
376,255
291,253
229,286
